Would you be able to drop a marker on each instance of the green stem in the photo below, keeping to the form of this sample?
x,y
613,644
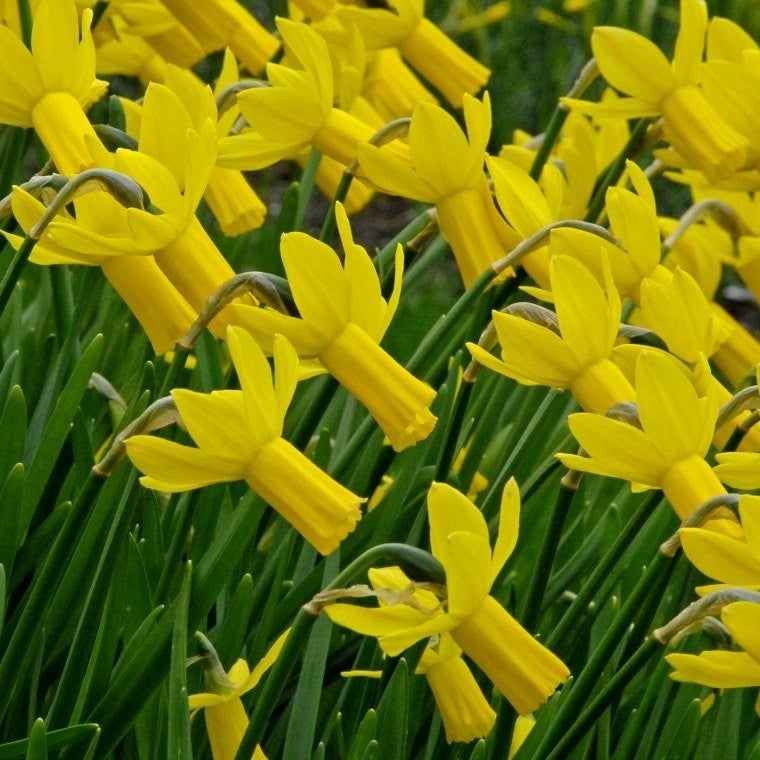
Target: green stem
x,y
175,368
277,677
553,130
580,690
616,170
602,571
602,701
329,224
534,598
10,278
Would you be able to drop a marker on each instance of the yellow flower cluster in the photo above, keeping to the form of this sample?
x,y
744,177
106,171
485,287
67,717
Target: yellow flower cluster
x,y
328,81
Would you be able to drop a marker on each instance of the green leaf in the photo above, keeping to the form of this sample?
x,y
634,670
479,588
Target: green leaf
x,y
10,497
45,455
393,713
12,430
37,749
178,733
365,734
64,737
229,642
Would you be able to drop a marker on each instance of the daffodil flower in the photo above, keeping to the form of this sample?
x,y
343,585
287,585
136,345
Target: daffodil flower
x,y
465,712
239,435
50,87
456,184
726,669
343,318
164,265
425,47
636,67
308,91
226,719
523,670
677,424
580,356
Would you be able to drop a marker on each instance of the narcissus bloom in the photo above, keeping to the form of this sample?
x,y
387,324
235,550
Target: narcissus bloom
x,y
343,318
445,167
308,91
239,435
50,87
523,670
725,669
425,47
677,424
226,719
578,354
636,67
465,712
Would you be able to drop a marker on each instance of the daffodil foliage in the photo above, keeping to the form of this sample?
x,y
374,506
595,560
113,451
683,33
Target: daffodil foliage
x,y
367,391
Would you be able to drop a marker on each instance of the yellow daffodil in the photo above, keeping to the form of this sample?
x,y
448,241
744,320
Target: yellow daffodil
x,y
226,719
732,560
425,47
667,451
578,356
308,91
50,87
636,67
465,712
343,318
239,436
458,187
523,670
179,264
726,669
226,23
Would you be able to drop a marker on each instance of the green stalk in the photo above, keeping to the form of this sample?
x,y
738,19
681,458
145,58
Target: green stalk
x,y
601,572
604,699
531,609
10,278
564,720
616,169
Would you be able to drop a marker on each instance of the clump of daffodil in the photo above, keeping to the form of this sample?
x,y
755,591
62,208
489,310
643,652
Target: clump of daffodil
x,y
465,712
677,412
50,87
721,669
239,435
343,318
521,668
308,91
445,168
658,87
161,261
575,355
425,47
225,716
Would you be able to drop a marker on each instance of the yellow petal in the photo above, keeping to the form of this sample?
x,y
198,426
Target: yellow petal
x,y
721,557
450,511
509,525
171,467
743,620
631,63
719,670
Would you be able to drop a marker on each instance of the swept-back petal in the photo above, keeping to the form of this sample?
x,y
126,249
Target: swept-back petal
x,y
286,374
743,620
255,379
450,511
719,670
467,560
509,526
213,421
631,63
520,198
264,324
171,467
615,448
393,175
690,41
720,557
